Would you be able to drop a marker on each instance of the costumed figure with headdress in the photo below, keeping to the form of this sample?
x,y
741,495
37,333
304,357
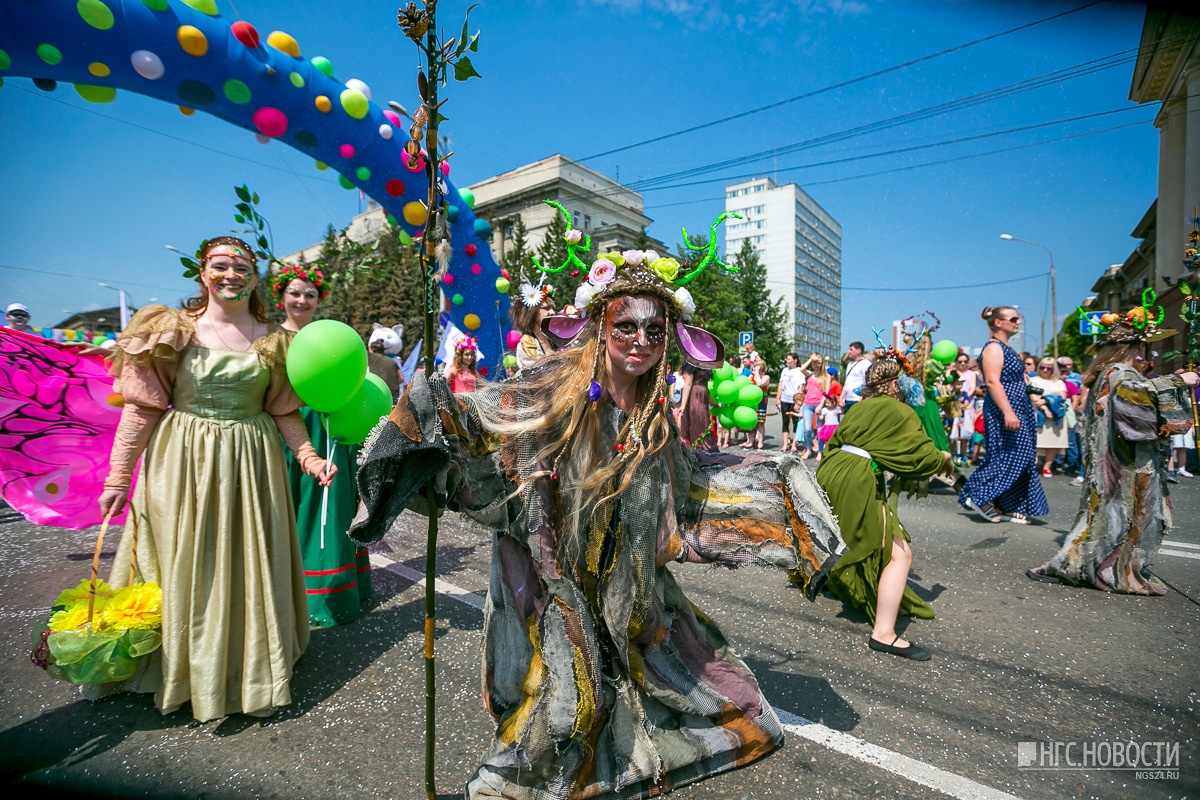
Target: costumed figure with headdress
x,y
1129,418
600,674
536,303
879,449
462,373
337,571
919,388
207,398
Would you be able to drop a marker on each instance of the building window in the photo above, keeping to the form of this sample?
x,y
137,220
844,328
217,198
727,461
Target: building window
x,y
587,222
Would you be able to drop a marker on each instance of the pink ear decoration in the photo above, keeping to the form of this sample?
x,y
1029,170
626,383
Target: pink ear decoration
x,y
561,331
700,348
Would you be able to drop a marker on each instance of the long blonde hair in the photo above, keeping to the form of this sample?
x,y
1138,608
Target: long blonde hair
x,y
552,400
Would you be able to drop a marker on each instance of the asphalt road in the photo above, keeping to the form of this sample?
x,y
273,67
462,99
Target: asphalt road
x,y
1013,661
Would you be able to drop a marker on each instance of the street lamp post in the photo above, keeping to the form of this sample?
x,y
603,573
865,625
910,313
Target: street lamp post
x,y
1008,237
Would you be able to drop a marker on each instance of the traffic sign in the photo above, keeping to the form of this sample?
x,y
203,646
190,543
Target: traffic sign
x,y
745,338
1089,324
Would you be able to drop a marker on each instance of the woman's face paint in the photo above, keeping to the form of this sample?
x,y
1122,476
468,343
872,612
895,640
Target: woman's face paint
x,y
229,275
300,300
635,333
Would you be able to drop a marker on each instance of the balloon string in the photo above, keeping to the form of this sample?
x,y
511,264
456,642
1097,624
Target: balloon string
x,y
324,472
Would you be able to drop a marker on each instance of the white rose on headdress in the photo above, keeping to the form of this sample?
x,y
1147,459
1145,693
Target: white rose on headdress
x,y
573,236
584,294
633,257
684,298
650,256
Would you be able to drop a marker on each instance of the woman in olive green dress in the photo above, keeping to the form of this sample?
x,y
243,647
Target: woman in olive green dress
x,y
879,435
337,572
207,399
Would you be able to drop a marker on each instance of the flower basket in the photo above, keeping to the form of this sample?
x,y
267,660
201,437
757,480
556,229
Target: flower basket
x,y
97,634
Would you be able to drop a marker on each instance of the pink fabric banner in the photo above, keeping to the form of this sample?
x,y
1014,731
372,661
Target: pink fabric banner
x,y
58,417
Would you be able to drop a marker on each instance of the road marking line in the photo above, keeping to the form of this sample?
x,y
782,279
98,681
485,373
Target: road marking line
x,y
908,768
442,587
1181,544
1178,554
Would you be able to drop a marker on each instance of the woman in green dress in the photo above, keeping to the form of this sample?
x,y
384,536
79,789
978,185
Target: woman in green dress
x,y
207,399
879,435
337,572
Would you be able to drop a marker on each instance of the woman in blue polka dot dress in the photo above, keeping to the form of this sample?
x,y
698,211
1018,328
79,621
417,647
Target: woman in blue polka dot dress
x,y
1006,487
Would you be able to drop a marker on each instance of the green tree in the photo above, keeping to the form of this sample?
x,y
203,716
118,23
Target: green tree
x,y
1071,342
766,318
379,283
516,257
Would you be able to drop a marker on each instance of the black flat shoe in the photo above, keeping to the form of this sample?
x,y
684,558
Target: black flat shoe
x,y
913,651
1043,577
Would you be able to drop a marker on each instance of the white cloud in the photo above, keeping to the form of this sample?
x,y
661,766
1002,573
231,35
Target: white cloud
x,y
92,307
745,15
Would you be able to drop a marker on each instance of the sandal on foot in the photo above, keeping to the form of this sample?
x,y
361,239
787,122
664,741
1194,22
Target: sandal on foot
x,y
988,512
913,651
1042,577
1015,517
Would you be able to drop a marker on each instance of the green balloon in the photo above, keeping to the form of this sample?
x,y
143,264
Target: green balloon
x,y
741,380
510,361
323,64
352,423
723,373
727,393
725,418
326,362
355,103
468,197
750,396
96,94
745,418
945,351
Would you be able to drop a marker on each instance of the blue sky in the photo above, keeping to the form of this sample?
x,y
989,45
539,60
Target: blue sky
x,y
96,191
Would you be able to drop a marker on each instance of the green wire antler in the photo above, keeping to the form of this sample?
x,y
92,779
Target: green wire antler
x,y
709,248
1149,298
573,248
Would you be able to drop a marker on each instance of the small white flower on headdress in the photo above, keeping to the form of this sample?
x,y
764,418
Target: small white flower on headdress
x,y
684,298
573,236
531,295
584,294
650,256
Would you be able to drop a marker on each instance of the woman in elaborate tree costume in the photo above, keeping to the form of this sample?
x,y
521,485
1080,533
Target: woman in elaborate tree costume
x,y
337,572
1125,509
881,434
601,675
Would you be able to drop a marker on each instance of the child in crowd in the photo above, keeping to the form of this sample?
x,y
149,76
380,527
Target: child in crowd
x,y
830,414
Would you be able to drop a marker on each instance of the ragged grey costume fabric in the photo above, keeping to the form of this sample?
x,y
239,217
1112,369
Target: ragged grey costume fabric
x,y
601,675
1125,509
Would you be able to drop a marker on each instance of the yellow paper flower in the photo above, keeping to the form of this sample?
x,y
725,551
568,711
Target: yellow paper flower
x,y
81,592
617,259
76,616
665,268
137,607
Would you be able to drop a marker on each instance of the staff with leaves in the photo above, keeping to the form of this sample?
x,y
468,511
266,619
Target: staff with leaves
x,y
419,24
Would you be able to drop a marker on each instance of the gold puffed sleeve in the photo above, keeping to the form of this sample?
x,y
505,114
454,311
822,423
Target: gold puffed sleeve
x,y
272,350
144,364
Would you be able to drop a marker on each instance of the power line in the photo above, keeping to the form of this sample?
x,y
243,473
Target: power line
x,y
87,277
836,86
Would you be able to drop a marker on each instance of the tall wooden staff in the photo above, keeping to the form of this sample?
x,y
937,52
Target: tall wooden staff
x,y
420,25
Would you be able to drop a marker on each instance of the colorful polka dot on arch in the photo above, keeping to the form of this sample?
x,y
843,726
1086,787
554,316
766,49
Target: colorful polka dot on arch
x,y
184,52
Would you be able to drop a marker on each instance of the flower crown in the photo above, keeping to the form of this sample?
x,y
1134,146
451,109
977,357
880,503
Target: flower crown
x,y
466,343
1138,324
290,272
614,274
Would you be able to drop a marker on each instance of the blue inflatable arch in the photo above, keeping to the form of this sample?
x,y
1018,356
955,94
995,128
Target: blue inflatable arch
x,y
185,53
